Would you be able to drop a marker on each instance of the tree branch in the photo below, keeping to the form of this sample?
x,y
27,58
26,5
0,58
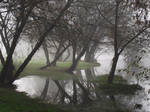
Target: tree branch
x,y
40,41
129,41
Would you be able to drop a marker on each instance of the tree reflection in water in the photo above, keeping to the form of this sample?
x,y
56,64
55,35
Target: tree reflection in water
x,y
83,91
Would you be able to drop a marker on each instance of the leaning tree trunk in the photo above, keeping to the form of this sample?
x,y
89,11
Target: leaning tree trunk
x,y
116,55
7,71
113,69
39,43
58,55
68,55
76,60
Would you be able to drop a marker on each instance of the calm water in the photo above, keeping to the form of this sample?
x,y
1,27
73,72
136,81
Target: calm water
x,y
77,92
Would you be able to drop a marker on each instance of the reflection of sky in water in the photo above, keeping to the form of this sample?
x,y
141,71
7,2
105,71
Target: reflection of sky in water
x,y
34,85
31,85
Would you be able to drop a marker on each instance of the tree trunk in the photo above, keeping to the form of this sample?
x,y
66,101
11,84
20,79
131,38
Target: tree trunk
x,y
5,78
58,56
7,71
68,55
116,55
76,60
87,55
73,66
113,69
39,43
46,53
2,58
5,41
90,53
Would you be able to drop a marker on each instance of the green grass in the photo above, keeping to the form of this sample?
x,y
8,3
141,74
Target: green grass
x,y
11,101
103,105
56,73
119,86
102,79
122,89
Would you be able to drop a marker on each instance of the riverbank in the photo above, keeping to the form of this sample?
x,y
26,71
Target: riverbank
x,y
54,72
12,101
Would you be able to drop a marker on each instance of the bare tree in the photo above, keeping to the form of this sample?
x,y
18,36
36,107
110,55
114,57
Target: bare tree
x,y
22,13
84,30
120,43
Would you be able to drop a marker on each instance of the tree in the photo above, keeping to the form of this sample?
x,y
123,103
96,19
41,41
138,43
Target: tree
x,y
60,41
56,40
18,27
84,30
22,13
119,47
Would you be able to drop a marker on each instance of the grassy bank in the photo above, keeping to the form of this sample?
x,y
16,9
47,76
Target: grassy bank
x,y
119,86
11,101
57,73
